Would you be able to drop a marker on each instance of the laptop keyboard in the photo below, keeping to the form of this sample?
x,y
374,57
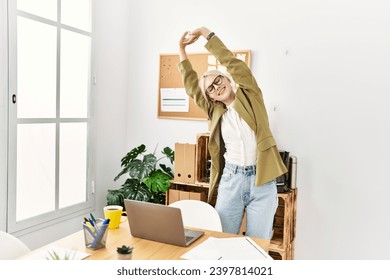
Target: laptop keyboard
x,y
188,238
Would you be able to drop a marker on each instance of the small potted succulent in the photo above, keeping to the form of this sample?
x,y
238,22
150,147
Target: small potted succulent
x,y
124,252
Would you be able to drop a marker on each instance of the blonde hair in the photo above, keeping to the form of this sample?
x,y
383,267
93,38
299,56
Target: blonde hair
x,y
214,72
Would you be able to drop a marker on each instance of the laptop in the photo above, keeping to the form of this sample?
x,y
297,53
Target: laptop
x,y
159,223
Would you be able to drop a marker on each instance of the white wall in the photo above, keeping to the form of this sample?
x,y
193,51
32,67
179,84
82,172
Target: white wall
x,y
324,67
112,30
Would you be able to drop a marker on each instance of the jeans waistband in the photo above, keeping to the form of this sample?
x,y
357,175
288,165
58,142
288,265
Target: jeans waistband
x,y
248,170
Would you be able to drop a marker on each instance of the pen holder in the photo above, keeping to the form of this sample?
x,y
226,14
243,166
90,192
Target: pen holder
x,y
95,235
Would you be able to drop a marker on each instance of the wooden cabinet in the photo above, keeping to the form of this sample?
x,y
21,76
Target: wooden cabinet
x,y
282,242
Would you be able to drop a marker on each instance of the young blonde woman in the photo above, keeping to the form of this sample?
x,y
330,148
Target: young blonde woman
x,y
245,158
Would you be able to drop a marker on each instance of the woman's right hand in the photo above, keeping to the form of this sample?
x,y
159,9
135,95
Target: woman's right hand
x,y
183,42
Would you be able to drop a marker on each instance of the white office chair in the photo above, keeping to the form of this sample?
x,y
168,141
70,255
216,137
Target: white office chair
x,y
198,214
11,247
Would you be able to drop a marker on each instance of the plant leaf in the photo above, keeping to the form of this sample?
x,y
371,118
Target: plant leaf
x,y
129,158
167,170
158,197
169,153
140,169
157,181
138,192
114,197
133,154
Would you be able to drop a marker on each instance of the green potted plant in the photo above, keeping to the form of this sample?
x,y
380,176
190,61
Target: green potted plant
x,y
53,255
124,252
146,181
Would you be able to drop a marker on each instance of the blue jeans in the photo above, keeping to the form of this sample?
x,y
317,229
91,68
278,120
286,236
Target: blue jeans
x,y
236,192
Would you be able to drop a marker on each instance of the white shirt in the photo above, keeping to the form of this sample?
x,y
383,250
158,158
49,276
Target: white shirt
x,y
239,138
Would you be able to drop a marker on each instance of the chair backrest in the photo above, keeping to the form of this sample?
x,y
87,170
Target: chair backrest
x,y
11,247
198,214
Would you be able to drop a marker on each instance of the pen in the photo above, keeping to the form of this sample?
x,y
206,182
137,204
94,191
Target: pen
x,y
96,242
86,221
89,230
92,223
93,218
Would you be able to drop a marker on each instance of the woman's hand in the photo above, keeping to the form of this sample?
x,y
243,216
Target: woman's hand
x,y
190,37
187,39
183,43
201,31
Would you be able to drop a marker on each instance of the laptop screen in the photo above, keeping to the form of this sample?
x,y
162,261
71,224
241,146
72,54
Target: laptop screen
x,y
155,222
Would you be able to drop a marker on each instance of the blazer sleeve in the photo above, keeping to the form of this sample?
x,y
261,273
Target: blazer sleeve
x,y
191,84
237,68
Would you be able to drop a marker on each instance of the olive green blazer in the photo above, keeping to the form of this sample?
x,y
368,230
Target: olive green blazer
x,y
248,103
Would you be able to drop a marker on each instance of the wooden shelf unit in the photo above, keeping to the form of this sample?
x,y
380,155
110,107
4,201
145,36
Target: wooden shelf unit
x,y
282,242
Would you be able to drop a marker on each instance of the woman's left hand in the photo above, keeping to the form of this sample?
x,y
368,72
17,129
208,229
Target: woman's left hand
x,y
188,38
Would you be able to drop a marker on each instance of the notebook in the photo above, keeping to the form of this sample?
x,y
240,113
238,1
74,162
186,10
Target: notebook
x,y
159,222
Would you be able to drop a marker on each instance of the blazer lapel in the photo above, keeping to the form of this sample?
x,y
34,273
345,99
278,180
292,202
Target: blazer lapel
x,y
215,132
240,105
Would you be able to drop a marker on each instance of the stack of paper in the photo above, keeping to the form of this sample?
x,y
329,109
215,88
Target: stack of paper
x,y
236,248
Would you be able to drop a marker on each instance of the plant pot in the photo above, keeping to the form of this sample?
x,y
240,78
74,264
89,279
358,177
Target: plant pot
x,y
125,256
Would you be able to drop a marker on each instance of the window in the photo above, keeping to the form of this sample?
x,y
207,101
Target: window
x,y
49,117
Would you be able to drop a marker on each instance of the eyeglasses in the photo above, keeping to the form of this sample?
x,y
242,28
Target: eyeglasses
x,y
217,81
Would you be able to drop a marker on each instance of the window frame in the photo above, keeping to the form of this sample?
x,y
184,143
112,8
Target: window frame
x,y
57,215
3,112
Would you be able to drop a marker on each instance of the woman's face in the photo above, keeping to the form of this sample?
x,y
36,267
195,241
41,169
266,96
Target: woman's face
x,y
218,88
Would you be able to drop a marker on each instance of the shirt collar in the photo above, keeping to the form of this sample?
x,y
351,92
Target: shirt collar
x,y
230,106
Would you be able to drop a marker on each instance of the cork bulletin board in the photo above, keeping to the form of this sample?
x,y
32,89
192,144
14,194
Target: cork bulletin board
x,y
173,103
